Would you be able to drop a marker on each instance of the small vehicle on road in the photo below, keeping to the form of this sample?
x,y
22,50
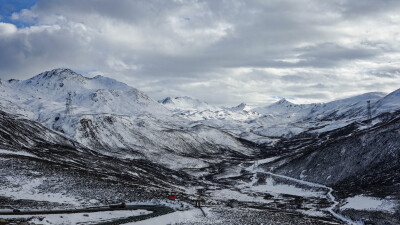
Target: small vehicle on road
x,y
122,205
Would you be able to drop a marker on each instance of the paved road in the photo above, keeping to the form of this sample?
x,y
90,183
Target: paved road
x,y
157,210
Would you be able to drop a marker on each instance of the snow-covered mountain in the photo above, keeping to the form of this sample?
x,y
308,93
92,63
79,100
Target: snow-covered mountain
x,y
49,90
121,121
388,103
186,103
284,118
234,120
115,119
241,107
93,133
283,106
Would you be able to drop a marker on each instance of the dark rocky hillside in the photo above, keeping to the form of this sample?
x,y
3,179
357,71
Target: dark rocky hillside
x,y
353,160
32,152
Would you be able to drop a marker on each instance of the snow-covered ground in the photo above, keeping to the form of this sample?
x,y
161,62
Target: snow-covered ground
x,y
272,187
20,187
80,218
191,215
227,194
361,202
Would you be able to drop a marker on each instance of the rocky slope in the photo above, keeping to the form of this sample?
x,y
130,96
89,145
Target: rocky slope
x,y
360,152
42,168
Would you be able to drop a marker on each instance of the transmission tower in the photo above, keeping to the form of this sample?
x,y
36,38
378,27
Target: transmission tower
x,y
68,105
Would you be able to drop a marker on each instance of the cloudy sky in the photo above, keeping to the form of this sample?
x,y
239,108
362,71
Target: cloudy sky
x,y
223,52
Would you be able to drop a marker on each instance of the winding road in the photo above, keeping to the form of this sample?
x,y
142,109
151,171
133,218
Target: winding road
x,y
157,210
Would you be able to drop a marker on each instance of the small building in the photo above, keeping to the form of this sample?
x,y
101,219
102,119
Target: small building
x,y
172,196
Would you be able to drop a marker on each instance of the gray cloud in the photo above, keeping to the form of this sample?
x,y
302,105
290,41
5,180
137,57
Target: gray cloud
x,y
368,7
388,72
224,52
330,54
311,96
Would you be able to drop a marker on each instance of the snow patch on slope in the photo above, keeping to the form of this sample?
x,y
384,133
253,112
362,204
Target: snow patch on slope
x,y
361,202
28,189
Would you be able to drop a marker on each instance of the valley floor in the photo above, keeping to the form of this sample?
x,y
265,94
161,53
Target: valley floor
x,y
262,198
214,215
234,216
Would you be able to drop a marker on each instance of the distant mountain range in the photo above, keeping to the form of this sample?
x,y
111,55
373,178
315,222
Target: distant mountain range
x,y
101,126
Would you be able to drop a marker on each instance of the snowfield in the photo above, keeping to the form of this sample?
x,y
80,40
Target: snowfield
x,y
361,202
27,189
192,215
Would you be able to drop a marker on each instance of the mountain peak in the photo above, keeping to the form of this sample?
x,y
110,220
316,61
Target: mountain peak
x,y
241,106
61,73
186,103
55,76
68,79
13,81
165,100
283,101
187,98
